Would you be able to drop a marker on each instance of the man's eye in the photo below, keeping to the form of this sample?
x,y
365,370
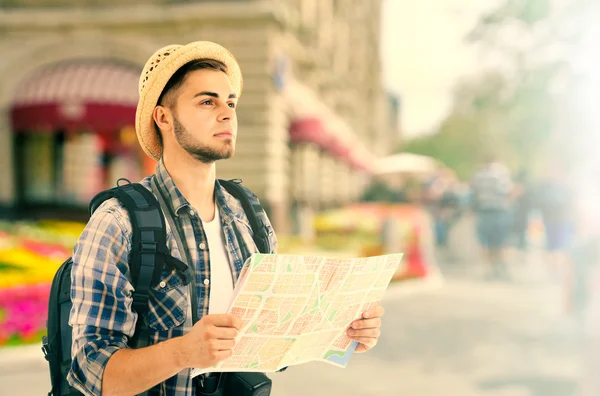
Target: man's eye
x,y
232,105
206,102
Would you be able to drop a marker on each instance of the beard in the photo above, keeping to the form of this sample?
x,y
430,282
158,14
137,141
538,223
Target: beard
x,y
202,153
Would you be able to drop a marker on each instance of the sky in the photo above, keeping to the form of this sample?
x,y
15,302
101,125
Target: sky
x,y
424,54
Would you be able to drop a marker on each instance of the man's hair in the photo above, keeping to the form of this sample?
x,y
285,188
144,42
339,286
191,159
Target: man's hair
x,y
167,98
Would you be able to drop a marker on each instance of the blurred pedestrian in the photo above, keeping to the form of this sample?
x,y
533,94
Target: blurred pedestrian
x,y
492,187
442,200
555,200
522,195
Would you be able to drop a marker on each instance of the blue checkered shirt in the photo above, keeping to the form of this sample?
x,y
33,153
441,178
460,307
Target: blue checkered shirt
x,y
101,289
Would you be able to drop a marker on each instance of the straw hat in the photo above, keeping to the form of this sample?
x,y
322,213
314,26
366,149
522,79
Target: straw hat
x,y
157,72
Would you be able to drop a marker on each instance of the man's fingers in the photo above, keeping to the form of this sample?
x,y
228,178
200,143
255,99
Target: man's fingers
x,y
360,348
366,323
374,333
224,320
374,312
368,342
221,345
222,333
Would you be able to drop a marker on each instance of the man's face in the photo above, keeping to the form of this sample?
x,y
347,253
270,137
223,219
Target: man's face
x,y
204,119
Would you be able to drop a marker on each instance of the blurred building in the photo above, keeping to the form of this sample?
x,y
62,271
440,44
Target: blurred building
x,y
313,115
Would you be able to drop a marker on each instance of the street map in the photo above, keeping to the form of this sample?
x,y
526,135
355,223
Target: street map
x,y
296,309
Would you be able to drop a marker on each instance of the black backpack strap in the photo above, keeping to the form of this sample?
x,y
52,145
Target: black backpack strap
x,y
252,208
149,253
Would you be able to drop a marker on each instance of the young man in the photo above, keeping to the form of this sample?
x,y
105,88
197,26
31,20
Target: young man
x,y
186,119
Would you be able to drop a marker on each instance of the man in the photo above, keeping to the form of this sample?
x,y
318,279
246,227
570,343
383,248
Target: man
x,y
492,189
186,119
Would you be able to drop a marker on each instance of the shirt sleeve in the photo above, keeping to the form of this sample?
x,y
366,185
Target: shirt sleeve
x,y
101,293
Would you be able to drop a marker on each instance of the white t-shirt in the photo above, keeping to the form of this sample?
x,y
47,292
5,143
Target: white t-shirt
x,y
221,278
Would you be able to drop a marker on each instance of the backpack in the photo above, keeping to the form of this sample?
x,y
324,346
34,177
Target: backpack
x,y
148,257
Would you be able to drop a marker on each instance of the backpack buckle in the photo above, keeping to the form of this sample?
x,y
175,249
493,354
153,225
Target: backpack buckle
x,y
140,301
148,247
45,348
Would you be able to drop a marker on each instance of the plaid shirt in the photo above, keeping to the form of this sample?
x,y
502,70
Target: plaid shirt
x,y
101,289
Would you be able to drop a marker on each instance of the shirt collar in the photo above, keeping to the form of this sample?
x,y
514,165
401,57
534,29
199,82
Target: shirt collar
x,y
223,200
166,183
178,201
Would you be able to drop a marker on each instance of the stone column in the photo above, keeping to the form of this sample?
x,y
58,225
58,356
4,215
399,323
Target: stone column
x,y
7,172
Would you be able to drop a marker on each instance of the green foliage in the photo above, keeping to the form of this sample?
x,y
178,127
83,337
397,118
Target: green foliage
x,y
381,192
513,117
455,144
526,12
508,119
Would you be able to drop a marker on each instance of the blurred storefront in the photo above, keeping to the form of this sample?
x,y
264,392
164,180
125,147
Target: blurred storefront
x,y
312,117
73,135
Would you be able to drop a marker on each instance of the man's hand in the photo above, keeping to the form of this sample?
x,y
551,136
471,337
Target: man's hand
x,y
367,329
209,342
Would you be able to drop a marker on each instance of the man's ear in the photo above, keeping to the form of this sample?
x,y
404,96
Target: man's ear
x,y
162,117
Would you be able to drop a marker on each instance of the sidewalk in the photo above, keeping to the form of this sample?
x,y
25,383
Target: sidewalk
x,y
13,358
23,371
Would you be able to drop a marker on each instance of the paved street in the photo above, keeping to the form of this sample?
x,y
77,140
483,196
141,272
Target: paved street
x,y
466,337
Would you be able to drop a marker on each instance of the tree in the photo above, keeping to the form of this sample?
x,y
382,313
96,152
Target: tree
x,y
517,112
473,130
556,76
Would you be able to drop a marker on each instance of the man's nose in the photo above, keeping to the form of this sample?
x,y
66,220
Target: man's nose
x,y
227,114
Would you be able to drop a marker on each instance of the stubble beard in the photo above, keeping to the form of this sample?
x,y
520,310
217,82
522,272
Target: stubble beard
x,y
202,153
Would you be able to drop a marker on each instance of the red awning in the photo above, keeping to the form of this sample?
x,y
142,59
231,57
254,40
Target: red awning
x,y
314,122
340,149
360,164
307,130
79,95
361,160
312,130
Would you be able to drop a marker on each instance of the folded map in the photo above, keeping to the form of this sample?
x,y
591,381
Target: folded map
x,y
296,309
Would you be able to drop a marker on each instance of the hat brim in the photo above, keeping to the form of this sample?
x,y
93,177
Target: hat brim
x,y
159,69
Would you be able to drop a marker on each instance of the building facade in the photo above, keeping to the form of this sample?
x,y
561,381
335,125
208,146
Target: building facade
x,y
312,116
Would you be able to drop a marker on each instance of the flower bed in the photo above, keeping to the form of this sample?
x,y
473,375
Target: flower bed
x,y
30,254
